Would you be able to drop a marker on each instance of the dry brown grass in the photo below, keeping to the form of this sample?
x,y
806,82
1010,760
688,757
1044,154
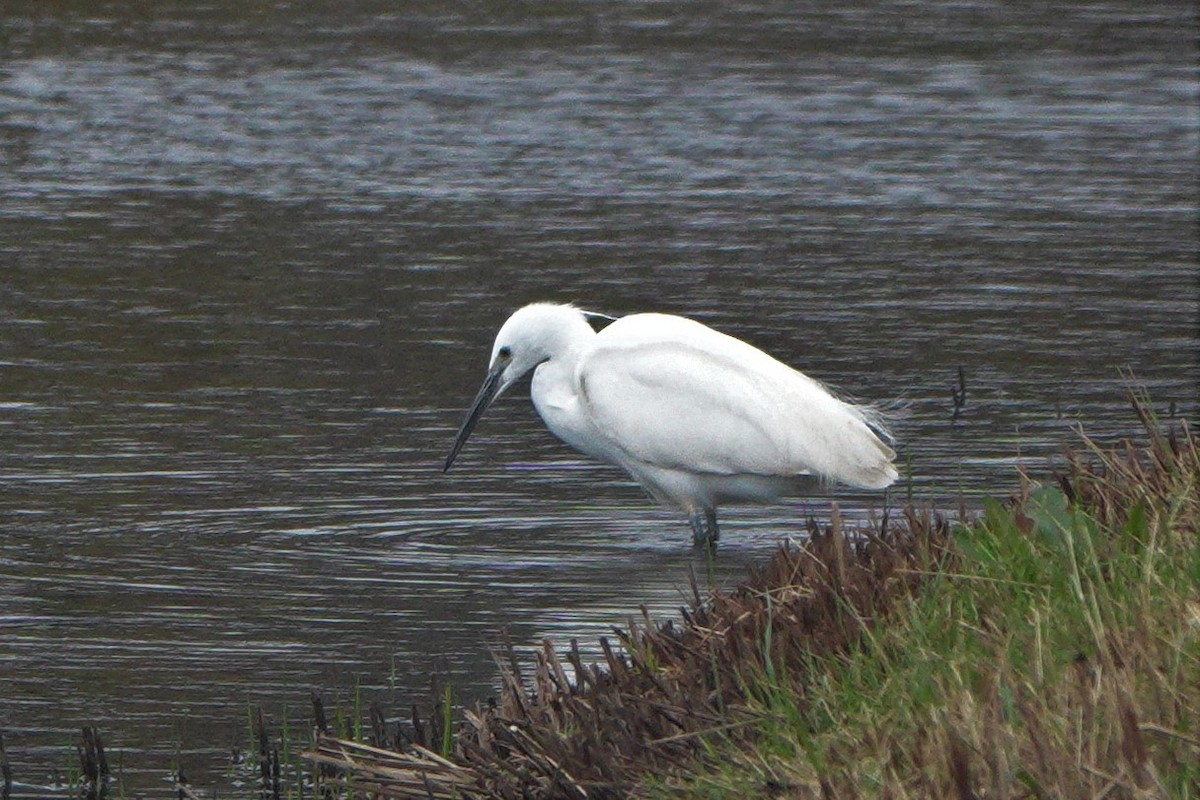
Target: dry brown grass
x,y
1049,649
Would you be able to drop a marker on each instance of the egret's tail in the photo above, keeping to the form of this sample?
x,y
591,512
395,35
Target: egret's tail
x,y
872,464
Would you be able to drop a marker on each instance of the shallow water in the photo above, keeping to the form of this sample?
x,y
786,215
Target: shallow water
x,y
253,260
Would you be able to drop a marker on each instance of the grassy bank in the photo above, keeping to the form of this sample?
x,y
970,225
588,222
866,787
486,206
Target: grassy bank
x,y
1055,652
1048,648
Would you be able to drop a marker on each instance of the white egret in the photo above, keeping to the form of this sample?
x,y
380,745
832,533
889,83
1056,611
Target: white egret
x,y
698,418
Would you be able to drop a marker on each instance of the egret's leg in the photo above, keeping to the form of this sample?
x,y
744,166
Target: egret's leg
x,y
704,527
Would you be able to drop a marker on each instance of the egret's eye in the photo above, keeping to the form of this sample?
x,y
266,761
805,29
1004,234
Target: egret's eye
x,y
505,352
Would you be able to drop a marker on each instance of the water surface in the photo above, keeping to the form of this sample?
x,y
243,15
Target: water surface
x,y
253,259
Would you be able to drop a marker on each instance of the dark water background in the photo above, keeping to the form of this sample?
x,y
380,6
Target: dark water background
x,y
253,256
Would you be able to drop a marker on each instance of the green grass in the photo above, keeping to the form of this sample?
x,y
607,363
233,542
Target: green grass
x,y
1055,654
1048,647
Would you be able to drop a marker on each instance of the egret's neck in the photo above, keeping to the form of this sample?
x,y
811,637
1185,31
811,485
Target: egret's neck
x,y
553,380
556,392
572,336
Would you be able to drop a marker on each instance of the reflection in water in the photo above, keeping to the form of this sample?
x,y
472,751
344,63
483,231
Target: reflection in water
x,y
253,260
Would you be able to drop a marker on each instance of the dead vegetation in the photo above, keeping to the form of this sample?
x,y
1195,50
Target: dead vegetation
x,y
1048,649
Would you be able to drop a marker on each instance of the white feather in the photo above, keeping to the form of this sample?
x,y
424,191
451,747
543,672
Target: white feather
x,y
697,417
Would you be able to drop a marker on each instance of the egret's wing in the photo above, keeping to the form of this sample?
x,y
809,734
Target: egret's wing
x,y
675,394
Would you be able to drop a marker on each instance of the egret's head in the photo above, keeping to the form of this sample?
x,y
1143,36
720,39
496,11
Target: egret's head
x,y
531,336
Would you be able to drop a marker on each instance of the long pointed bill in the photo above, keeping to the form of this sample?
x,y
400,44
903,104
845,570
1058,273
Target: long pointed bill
x,y
487,393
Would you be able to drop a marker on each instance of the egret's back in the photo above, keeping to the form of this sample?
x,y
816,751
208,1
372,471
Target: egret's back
x,y
672,394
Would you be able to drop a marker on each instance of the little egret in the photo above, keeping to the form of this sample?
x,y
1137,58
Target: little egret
x,y
698,418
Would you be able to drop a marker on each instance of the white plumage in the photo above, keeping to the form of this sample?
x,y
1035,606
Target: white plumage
x,y
696,417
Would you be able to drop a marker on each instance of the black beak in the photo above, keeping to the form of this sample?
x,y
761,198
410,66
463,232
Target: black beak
x,y
487,393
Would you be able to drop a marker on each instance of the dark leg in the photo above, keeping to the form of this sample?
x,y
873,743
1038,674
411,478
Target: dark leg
x,y
704,527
